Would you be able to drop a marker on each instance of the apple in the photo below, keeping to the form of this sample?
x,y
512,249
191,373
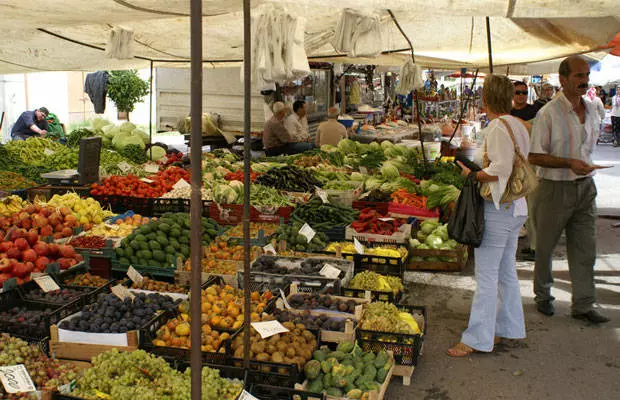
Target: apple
x,y
22,244
29,256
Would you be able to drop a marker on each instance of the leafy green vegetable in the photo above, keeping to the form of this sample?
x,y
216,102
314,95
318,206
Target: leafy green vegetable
x,y
134,152
75,136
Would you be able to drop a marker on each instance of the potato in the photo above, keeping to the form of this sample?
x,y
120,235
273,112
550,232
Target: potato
x,y
270,348
290,352
277,357
307,335
262,357
301,327
281,346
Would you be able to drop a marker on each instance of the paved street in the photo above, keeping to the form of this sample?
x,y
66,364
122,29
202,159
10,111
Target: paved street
x,y
561,358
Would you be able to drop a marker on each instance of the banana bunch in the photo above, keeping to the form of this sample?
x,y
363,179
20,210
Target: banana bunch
x,y
408,319
11,205
369,280
87,211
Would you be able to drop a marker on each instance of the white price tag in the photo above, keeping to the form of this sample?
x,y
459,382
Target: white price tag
x,y
364,195
48,152
363,170
226,151
286,304
114,227
135,276
122,292
181,184
147,180
329,271
246,396
268,328
36,274
270,249
307,231
46,283
386,219
151,168
358,246
16,379
124,166
322,194
68,387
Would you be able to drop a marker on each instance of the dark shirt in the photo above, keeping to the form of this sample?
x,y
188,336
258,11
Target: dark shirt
x,y
526,113
25,121
539,103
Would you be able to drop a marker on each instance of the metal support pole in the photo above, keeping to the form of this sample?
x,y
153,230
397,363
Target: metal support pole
x,y
247,119
151,113
489,46
416,102
464,104
196,200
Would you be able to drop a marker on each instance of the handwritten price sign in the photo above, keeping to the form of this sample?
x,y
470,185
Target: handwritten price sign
x,y
16,379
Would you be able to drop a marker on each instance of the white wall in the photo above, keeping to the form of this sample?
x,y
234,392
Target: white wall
x,y
12,101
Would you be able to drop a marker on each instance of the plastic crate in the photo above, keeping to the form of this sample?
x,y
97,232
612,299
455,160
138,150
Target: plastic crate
x,y
94,292
402,235
75,303
373,295
404,211
344,197
406,348
113,202
169,205
279,393
139,205
104,252
380,207
232,214
43,344
305,283
384,265
165,274
336,233
53,314
22,193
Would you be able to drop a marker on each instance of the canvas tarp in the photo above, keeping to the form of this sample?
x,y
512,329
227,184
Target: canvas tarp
x,y
39,35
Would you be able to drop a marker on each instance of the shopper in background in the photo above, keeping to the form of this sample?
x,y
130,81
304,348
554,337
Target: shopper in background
x,y
546,94
30,124
521,108
330,131
563,138
592,96
615,117
297,126
496,311
275,136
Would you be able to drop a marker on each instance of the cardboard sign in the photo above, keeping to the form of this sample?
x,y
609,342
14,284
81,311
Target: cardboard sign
x,y
135,276
358,246
286,304
151,168
124,166
16,379
246,396
181,184
269,328
147,180
46,283
329,271
322,194
308,232
270,249
122,292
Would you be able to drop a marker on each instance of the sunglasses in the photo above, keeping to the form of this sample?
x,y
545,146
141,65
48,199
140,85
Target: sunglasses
x,y
520,92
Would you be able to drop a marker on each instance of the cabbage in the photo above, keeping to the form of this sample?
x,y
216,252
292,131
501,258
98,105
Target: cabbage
x,y
393,152
389,171
110,131
127,127
414,243
99,123
328,148
428,226
141,134
238,187
347,146
375,146
386,144
356,176
372,183
125,140
433,241
389,187
156,153
224,194
363,148
452,243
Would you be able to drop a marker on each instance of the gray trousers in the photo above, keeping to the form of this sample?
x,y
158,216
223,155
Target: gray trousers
x,y
530,224
570,206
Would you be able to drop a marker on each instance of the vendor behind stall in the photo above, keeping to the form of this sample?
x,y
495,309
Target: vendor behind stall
x,y
331,131
30,124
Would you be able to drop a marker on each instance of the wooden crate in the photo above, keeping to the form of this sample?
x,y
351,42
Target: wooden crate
x,y
81,365
406,371
184,278
460,253
83,351
338,337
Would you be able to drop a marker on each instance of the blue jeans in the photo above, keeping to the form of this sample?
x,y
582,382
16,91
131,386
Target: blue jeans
x,y
496,309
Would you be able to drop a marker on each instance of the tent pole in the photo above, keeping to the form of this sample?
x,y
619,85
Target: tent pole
x,y
196,199
247,156
415,92
490,48
151,113
464,105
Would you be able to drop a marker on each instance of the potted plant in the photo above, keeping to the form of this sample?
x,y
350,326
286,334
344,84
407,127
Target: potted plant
x,y
125,89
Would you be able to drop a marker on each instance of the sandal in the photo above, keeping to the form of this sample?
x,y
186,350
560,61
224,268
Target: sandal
x,y
497,340
460,350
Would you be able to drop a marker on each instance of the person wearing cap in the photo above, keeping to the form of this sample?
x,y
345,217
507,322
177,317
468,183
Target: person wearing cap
x,y
30,124
546,94
275,136
330,131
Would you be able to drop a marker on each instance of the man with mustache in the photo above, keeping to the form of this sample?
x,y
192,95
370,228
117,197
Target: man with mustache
x,y
563,138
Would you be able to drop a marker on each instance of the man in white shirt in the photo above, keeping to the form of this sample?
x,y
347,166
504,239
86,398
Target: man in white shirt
x,y
615,117
297,126
563,138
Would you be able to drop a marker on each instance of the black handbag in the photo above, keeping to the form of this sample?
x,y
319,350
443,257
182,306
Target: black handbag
x,y
466,224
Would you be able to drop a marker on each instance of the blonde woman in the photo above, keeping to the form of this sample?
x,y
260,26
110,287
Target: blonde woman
x,y
496,310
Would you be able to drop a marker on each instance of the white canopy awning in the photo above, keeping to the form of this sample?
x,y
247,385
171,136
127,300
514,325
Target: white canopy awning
x,y
40,35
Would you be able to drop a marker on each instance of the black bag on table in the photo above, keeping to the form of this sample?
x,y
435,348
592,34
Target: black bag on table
x,y
466,224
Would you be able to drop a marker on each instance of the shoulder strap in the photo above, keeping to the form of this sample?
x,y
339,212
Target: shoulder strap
x,y
514,141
